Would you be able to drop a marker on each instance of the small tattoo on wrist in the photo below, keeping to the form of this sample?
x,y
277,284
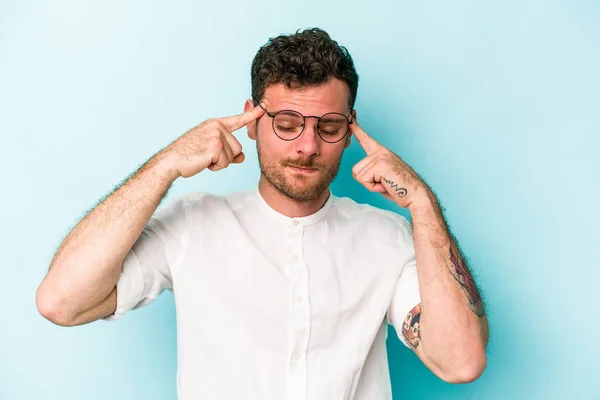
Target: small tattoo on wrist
x,y
400,191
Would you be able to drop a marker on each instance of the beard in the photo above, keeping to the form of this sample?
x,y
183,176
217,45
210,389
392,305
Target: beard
x,y
299,188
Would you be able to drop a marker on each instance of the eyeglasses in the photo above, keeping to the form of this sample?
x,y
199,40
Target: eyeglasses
x,y
289,125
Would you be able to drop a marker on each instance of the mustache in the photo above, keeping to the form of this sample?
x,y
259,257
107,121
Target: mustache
x,y
302,163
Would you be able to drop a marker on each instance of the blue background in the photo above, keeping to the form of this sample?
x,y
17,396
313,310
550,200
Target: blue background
x,y
495,104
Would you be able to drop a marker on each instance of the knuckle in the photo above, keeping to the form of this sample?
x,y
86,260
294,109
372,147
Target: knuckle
x,y
216,143
214,123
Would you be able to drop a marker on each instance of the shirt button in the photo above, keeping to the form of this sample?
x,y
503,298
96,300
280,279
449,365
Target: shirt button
x,y
299,299
294,257
295,357
295,222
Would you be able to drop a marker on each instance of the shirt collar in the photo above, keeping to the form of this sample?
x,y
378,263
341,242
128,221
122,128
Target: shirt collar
x,y
300,221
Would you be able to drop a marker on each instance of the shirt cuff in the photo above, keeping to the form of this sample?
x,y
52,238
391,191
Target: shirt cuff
x,y
130,286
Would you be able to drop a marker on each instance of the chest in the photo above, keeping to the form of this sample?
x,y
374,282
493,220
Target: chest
x,y
265,285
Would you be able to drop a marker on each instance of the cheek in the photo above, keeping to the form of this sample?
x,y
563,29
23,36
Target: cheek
x,y
271,146
333,153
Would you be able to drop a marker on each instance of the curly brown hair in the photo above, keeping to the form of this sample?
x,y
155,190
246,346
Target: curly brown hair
x,y
306,58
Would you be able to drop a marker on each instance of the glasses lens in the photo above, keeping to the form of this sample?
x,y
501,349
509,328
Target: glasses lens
x,y
333,127
288,124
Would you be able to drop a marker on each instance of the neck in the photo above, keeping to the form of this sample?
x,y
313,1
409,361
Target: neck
x,y
286,206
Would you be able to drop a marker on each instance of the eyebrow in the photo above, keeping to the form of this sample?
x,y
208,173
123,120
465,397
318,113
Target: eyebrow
x,y
318,116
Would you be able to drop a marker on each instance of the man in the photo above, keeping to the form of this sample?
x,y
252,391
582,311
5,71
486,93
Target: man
x,y
283,292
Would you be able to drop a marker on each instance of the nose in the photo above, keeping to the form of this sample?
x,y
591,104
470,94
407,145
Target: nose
x,y
309,141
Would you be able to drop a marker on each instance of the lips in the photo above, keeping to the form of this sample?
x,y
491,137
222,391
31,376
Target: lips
x,y
303,169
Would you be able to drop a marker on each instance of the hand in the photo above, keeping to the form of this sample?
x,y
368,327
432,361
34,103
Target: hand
x,y
211,144
383,171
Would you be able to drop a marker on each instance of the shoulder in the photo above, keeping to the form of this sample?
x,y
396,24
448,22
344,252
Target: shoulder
x,y
371,217
193,202
350,209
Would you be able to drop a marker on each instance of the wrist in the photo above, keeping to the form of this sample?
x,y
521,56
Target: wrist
x,y
165,166
423,200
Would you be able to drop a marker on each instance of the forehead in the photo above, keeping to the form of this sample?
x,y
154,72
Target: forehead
x,y
331,96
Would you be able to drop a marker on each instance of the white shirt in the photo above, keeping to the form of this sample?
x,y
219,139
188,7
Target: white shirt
x,y
272,307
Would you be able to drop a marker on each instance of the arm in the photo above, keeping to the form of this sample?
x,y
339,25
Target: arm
x,y
80,286
448,330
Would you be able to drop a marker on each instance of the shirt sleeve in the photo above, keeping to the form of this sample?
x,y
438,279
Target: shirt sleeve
x,y
147,267
406,295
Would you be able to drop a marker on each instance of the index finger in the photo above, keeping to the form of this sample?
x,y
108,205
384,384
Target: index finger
x,y
236,122
366,141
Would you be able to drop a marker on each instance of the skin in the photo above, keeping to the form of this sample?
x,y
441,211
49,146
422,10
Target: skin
x,y
288,191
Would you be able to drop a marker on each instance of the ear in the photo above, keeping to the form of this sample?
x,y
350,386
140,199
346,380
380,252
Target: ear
x,y
249,105
349,137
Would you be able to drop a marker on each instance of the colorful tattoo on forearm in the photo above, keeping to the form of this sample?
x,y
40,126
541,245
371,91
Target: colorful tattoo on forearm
x,y
400,191
459,270
411,328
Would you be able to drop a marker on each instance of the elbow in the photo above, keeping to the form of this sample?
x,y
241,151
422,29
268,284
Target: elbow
x,y
49,309
467,371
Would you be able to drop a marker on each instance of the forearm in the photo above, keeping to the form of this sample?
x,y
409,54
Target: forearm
x,y
87,265
453,325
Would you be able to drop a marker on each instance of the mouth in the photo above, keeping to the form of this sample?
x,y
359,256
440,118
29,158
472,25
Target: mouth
x,y
303,169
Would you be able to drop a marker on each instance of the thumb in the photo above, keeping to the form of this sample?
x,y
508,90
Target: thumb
x,y
239,158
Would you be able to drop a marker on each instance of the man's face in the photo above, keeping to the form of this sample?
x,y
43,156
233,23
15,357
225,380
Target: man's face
x,y
318,160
